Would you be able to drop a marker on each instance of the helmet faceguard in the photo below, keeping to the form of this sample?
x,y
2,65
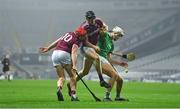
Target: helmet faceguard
x,y
119,30
90,15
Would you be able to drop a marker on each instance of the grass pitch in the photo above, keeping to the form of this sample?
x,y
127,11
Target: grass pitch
x,y
42,94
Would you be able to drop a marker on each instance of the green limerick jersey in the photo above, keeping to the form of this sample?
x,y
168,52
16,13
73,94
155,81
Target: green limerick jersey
x,y
105,44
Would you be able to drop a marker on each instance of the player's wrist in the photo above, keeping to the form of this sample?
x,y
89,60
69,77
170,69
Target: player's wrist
x,y
48,48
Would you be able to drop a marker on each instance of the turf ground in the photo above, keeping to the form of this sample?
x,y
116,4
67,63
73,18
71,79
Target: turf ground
x,y
42,94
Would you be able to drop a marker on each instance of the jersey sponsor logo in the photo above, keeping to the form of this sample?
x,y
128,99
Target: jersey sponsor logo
x,y
67,37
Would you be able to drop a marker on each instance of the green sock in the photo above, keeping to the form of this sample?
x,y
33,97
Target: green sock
x,y
107,95
117,95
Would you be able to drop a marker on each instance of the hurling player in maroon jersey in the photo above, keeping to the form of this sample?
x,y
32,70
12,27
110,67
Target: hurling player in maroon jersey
x,y
93,27
64,57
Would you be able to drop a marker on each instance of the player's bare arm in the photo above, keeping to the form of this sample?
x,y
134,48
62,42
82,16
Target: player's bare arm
x,y
74,56
129,56
52,45
96,48
120,62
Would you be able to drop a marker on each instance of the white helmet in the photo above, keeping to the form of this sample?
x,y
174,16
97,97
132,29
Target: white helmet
x,y
118,30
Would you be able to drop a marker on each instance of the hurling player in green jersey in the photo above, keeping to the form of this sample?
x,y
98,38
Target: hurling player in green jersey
x,y
106,46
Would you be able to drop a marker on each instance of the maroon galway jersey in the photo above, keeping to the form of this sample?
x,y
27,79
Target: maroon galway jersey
x,y
66,42
93,30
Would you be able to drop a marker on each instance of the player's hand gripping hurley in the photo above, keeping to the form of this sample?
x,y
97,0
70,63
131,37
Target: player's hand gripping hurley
x,y
129,56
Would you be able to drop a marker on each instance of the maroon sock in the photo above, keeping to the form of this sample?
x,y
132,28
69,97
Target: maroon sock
x,y
73,92
100,77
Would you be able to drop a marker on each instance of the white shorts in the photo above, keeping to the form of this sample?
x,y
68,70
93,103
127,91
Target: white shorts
x,y
60,57
88,49
7,72
104,60
85,50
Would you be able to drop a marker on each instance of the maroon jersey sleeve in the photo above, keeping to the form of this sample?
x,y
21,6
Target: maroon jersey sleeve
x,y
99,22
